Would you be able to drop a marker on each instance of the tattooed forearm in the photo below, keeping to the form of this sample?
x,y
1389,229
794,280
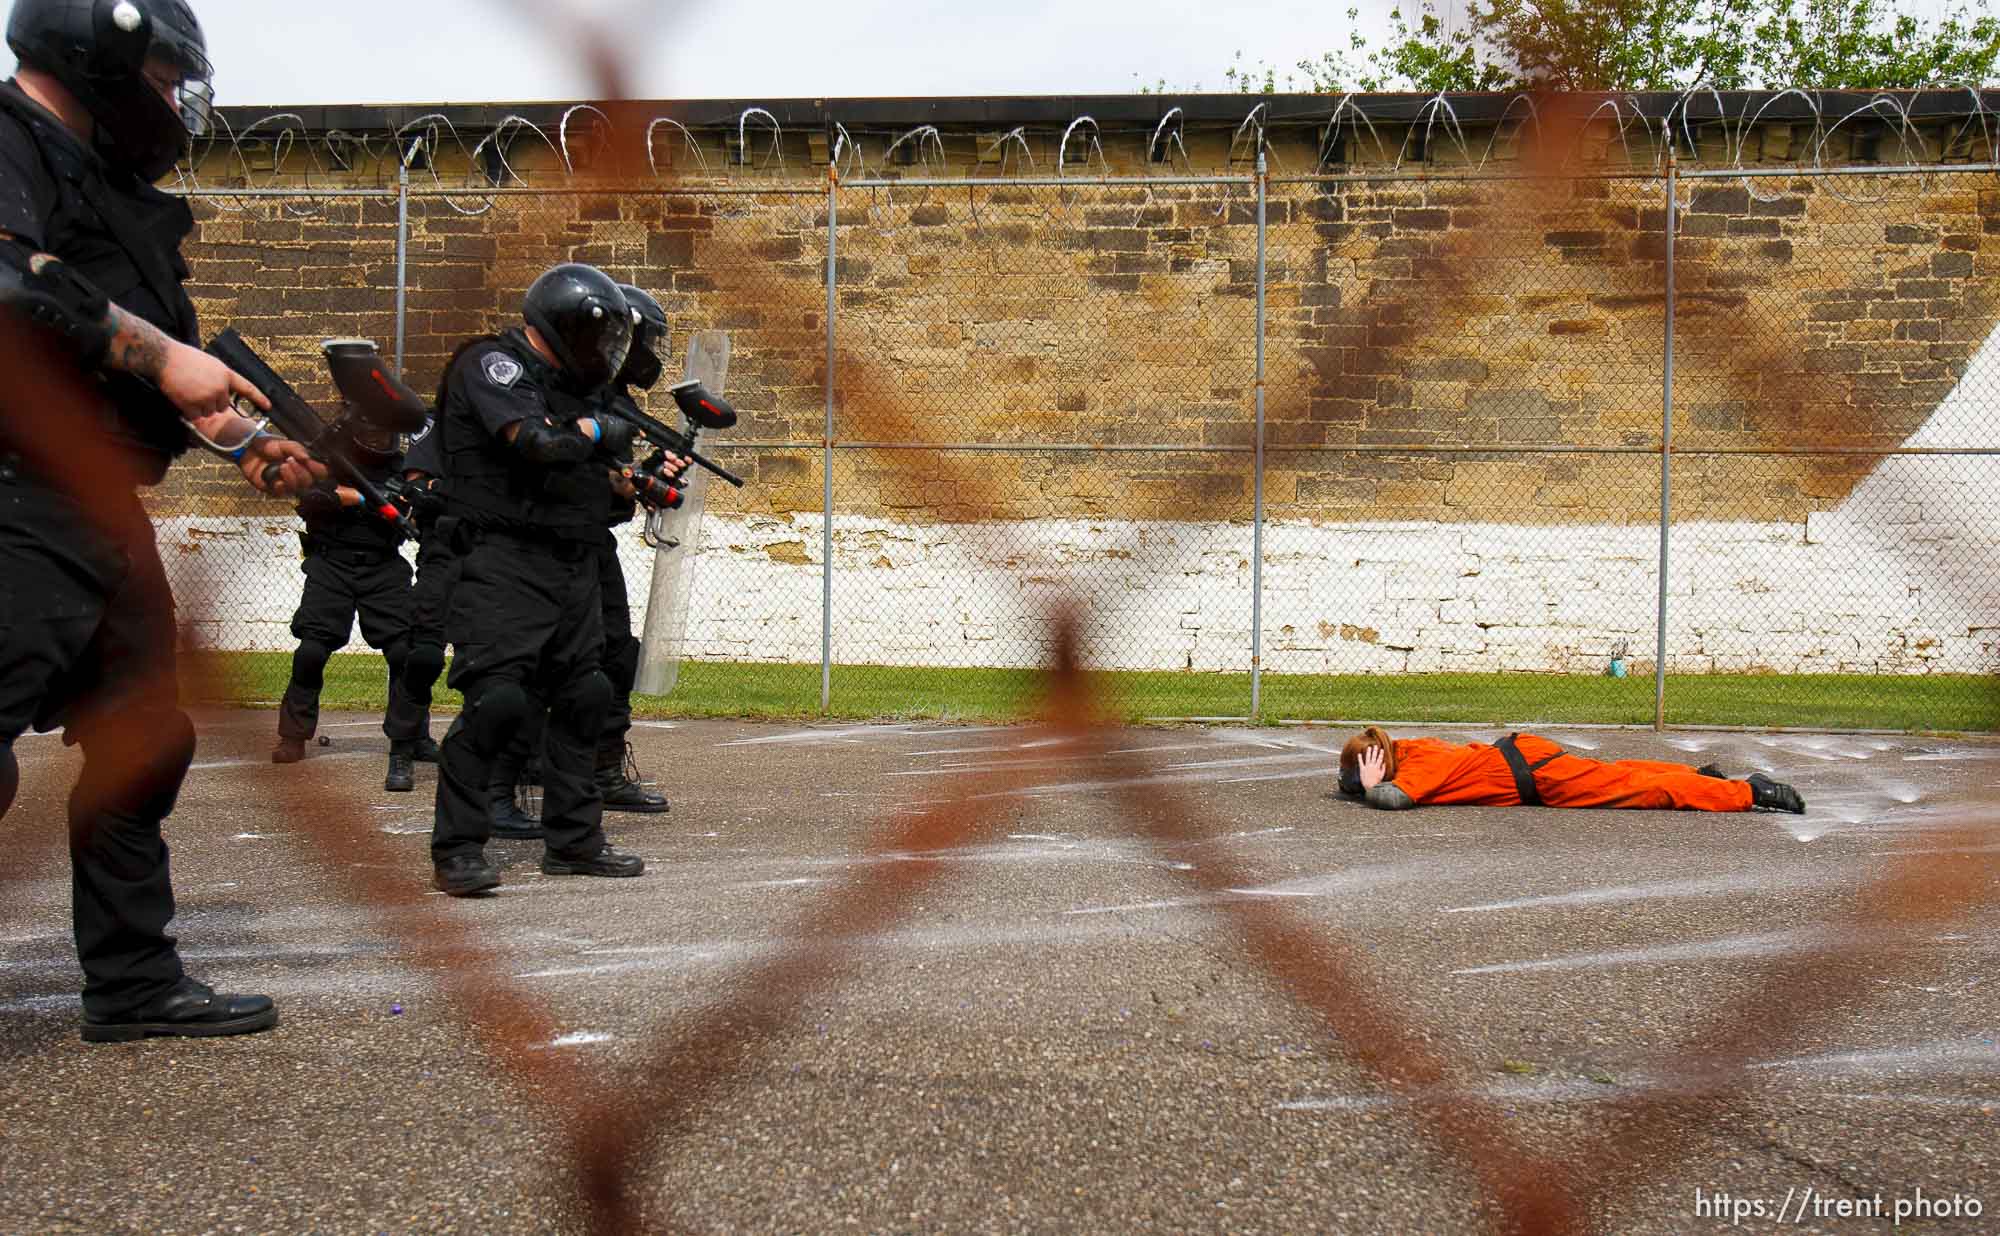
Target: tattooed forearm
x,y
138,347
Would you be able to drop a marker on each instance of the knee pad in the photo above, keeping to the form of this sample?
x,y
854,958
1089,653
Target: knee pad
x,y
139,776
309,664
10,777
579,710
495,715
422,667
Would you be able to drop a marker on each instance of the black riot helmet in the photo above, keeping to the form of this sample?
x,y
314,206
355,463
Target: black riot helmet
x,y
118,57
583,318
651,344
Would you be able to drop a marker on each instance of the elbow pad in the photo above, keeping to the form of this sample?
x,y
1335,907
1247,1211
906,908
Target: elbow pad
x,y
1389,797
45,291
540,441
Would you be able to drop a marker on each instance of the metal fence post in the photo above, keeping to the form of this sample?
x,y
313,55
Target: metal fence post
x,y
1666,454
826,533
402,254
1257,480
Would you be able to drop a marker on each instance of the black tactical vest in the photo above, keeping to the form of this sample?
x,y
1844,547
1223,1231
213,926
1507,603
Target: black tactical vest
x,y
488,483
124,236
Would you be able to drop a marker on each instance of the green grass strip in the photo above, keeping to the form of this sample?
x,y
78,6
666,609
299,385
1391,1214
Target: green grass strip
x,y
1935,703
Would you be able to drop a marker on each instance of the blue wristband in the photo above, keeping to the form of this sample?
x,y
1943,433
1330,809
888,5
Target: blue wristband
x,y
596,431
236,456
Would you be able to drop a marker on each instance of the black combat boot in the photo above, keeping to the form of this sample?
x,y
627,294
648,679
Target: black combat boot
x,y
426,751
288,751
187,1010
618,787
465,875
402,776
605,862
1769,795
510,823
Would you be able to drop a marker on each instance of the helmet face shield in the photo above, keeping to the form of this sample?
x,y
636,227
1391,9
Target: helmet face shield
x,y
599,345
197,101
184,82
580,313
642,368
644,365
379,443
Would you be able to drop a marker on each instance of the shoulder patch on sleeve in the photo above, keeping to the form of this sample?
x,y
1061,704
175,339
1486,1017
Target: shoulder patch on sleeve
x,y
501,369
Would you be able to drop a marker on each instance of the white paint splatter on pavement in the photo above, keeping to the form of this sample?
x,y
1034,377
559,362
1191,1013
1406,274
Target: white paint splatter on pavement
x,y
1668,890
1727,948
580,1038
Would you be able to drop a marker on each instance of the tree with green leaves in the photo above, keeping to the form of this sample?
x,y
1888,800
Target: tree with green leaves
x,y
1670,45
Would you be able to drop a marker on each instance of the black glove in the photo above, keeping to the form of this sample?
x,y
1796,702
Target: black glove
x,y
320,502
615,436
425,500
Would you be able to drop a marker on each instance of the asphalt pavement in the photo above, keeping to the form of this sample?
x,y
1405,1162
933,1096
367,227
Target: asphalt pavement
x,y
1059,1036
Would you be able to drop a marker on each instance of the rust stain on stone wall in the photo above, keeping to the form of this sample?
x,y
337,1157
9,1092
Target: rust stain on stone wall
x,y
1505,314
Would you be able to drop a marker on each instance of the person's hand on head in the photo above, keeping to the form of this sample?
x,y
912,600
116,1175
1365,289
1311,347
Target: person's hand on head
x,y
1373,764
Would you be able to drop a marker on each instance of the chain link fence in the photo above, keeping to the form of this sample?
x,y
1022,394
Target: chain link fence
x,y
1722,445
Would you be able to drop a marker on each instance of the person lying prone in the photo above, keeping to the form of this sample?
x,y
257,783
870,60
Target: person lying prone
x,y
1528,770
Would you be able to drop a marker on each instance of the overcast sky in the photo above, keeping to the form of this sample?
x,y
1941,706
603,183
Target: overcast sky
x,y
464,51
455,51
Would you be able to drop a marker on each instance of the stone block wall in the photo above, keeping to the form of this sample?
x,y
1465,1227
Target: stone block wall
x,y
1444,315
1455,360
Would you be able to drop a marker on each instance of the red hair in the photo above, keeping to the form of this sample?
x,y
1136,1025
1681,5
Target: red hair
x,y
1350,757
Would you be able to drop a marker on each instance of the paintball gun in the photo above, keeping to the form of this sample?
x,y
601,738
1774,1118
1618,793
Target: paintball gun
x,y
703,411
372,400
420,499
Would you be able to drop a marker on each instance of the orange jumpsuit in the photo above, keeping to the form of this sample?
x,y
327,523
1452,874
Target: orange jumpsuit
x,y
1432,771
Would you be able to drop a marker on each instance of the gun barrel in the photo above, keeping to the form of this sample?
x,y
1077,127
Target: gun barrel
x,y
699,458
660,434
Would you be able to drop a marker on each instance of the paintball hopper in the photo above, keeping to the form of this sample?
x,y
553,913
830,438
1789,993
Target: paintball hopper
x,y
296,419
700,407
378,398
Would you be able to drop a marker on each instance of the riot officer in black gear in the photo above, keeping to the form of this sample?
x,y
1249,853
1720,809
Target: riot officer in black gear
x,y
353,566
421,495
422,498
644,365
91,293
524,457
521,761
